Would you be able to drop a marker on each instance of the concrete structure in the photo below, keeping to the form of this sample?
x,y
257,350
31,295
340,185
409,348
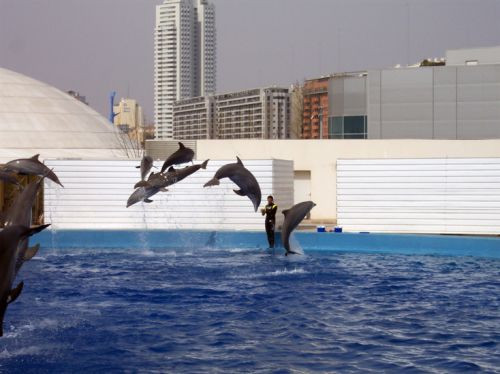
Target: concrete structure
x,y
38,118
425,195
129,118
96,193
315,108
185,57
473,56
442,102
262,113
194,118
315,162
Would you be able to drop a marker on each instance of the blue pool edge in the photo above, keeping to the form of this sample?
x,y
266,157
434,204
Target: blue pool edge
x,y
411,244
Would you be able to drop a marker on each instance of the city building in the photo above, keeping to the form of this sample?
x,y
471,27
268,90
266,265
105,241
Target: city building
x,y
456,99
315,108
184,57
194,118
129,119
347,97
262,113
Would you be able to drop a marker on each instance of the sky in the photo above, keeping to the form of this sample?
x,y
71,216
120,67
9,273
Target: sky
x,y
98,46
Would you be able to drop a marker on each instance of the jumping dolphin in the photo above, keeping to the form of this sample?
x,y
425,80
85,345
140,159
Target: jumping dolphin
x,y
293,217
172,176
9,240
242,177
31,166
20,214
181,156
145,166
143,194
8,178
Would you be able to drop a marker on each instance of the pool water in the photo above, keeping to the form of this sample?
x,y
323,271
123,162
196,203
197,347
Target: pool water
x,y
235,310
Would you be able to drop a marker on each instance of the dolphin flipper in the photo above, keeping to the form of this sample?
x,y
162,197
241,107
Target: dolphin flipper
x,y
14,293
31,252
148,201
239,192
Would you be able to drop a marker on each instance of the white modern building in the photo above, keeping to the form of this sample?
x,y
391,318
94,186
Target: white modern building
x,y
185,57
38,118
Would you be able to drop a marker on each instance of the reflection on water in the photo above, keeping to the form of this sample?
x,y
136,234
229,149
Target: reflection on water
x,y
208,310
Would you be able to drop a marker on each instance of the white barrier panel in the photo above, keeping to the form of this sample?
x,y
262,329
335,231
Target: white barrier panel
x,y
96,193
460,195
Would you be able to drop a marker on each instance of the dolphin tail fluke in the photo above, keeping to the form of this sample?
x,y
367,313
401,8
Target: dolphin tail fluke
x,y
14,293
31,252
141,184
204,165
212,182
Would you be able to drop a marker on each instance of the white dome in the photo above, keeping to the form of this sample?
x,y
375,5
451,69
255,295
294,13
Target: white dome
x,y
38,118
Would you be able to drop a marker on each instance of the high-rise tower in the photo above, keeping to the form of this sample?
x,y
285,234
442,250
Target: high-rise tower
x,y
185,57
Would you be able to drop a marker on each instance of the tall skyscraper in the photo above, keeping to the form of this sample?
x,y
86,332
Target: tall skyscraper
x,y
185,57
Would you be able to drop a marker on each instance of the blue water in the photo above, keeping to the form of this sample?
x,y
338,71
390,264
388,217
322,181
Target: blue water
x,y
234,310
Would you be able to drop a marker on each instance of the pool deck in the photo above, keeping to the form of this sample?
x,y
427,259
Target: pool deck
x,y
409,244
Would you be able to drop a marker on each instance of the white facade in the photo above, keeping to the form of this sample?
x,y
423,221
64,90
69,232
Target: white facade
x,y
185,57
96,193
436,195
317,159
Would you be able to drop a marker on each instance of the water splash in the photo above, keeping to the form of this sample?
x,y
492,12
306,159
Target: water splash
x,y
295,245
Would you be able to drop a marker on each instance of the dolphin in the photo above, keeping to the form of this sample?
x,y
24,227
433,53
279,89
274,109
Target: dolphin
x,y
242,177
172,176
143,194
20,213
145,166
293,217
31,166
8,178
9,240
154,180
181,156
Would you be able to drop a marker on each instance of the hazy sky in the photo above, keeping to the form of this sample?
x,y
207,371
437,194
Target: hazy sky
x,y
96,46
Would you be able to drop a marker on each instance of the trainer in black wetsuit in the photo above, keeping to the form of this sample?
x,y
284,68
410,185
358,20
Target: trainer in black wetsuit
x,y
270,212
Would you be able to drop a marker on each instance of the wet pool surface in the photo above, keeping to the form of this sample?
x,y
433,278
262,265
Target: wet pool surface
x,y
200,310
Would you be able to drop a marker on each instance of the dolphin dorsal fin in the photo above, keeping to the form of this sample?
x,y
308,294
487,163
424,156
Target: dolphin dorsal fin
x,y
181,146
35,157
285,212
238,161
171,169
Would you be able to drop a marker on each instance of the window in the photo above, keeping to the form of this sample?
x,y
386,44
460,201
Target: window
x,y
348,127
